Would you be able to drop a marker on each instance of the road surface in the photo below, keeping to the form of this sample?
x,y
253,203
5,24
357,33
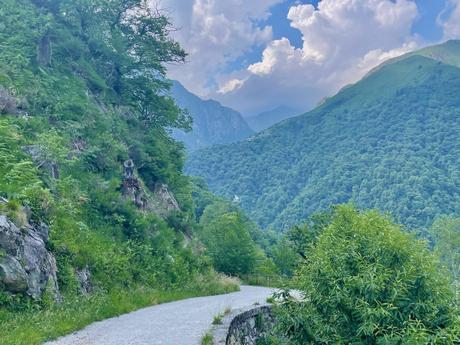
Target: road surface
x,y
176,323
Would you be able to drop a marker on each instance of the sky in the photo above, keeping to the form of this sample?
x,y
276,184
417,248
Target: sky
x,y
255,55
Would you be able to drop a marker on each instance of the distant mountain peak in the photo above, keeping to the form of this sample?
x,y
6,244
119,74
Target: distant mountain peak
x,y
268,118
213,123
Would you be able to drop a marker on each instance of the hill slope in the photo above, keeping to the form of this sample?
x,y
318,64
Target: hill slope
x,y
390,142
269,118
212,122
92,194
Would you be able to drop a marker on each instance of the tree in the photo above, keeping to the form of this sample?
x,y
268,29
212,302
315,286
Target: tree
x,y
367,282
229,244
446,234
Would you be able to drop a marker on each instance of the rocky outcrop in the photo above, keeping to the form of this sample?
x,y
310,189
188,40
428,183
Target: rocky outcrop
x,y
160,201
84,279
26,266
36,153
8,104
131,186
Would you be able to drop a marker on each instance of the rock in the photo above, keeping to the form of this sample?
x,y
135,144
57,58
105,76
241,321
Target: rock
x,y
165,198
84,279
8,104
132,187
161,202
35,152
26,266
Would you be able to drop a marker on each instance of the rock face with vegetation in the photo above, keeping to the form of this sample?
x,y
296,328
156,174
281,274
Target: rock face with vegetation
x,y
212,122
26,266
388,142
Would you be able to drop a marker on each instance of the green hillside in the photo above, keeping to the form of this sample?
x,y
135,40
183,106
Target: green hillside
x,y
389,142
96,216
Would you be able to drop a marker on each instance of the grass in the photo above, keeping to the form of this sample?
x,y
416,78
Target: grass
x,y
33,327
217,320
207,339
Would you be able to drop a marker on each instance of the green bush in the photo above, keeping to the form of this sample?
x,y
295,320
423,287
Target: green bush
x,y
367,282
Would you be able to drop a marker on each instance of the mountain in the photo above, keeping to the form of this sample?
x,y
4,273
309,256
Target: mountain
x,y
212,122
269,118
390,141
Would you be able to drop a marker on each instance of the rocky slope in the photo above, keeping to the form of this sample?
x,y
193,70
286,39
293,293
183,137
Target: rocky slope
x,y
212,122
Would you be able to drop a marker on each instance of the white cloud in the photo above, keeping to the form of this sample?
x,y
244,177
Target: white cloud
x,y
231,85
452,24
214,33
342,40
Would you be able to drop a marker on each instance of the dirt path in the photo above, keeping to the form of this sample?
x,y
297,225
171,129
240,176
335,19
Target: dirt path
x,y
177,323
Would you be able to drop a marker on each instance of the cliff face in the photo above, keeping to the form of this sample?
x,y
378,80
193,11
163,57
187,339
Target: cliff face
x,y
212,122
26,266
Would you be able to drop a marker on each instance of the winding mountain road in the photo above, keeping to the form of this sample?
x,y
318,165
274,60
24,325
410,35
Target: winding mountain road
x,y
176,323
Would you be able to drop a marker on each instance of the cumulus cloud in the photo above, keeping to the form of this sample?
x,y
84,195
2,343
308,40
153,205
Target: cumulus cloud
x,y
342,40
452,24
214,33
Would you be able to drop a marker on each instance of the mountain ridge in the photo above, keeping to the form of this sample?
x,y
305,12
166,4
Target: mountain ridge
x,y
282,173
213,123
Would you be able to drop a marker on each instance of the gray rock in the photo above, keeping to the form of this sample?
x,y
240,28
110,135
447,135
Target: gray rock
x,y
84,279
160,200
26,266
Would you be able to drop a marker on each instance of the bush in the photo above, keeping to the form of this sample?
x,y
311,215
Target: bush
x,y
367,282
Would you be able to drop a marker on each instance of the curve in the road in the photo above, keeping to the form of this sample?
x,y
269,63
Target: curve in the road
x,y
176,323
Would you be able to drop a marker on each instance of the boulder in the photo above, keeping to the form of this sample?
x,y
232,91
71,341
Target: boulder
x,y
26,266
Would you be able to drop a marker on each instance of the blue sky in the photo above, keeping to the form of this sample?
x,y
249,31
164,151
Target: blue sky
x,y
425,25
251,55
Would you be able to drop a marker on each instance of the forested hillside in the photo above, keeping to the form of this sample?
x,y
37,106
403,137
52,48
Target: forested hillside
x,y
390,142
212,122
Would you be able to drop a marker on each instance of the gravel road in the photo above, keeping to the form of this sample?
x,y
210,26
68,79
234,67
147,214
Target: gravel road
x,y
177,323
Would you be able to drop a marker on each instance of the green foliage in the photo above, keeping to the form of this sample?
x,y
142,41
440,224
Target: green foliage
x,y
367,282
446,235
389,142
88,90
228,241
207,339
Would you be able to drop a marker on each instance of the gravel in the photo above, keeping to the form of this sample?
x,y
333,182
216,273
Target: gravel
x,y
177,323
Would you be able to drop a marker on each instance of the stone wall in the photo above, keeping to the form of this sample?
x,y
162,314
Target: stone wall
x,y
244,326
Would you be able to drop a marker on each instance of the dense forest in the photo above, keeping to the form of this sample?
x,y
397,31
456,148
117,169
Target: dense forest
x,y
388,142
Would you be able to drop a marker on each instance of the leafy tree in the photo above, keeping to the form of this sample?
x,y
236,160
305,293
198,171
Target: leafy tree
x,y
367,282
229,244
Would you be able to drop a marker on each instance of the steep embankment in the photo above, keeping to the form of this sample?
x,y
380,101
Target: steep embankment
x,y
85,153
390,142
